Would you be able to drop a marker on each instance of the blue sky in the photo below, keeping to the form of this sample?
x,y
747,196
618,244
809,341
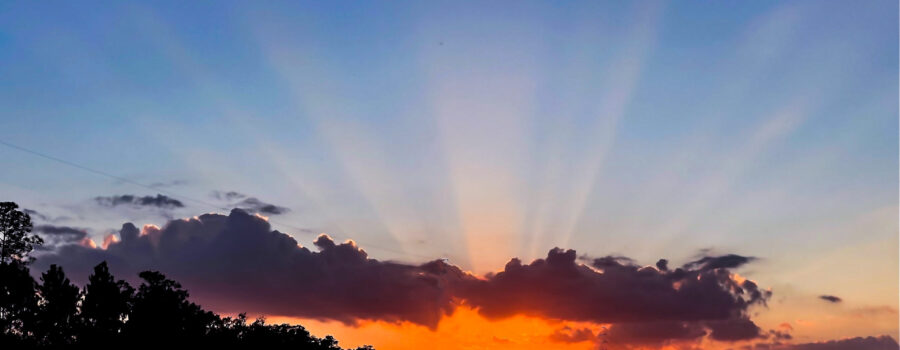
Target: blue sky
x,y
480,131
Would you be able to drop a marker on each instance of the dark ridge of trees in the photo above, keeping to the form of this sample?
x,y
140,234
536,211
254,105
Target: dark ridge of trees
x,y
56,314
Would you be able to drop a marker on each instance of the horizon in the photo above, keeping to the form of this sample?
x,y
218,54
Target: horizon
x,y
471,144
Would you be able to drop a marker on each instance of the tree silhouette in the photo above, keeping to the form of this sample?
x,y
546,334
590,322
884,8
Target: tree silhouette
x,y
107,313
18,298
15,241
105,306
161,307
18,303
58,308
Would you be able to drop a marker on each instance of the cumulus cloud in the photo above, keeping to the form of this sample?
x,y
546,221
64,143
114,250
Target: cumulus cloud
x,y
642,302
159,201
236,263
831,298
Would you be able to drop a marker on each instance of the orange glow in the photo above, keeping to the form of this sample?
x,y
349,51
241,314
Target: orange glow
x,y
148,228
465,329
109,239
87,242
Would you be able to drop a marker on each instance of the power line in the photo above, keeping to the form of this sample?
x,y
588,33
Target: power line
x,y
186,198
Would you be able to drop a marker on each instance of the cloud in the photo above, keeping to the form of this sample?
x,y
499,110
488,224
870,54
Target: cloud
x,y
571,335
250,204
679,304
60,232
734,329
729,261
883,342
662,265
160,201
255,205
228,196
43,217
654,333
778,335
831,298
236,263
36,214
57,236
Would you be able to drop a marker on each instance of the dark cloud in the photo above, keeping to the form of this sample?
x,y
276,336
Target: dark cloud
x,y
883,342
57,236
571,335
729,261
63,232
662,265
610,261
236,262
250,204
778,335
734,329
559,288
159,201
255,205
831,298
645,305
654,333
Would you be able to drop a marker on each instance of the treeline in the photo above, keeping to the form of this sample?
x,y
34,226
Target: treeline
x,y
54,313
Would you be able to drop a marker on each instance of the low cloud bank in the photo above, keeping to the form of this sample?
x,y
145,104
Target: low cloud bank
x,y
236,262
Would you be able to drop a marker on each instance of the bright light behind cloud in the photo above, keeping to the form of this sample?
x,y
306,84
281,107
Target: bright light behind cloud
x,y
477,134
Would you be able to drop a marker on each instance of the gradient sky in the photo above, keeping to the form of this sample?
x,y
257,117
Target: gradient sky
x,y
481,132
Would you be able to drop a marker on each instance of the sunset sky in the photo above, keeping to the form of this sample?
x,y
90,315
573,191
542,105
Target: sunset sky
x,y
752,144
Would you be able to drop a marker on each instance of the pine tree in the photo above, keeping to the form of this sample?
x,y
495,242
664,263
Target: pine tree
x,y
105,306
56,315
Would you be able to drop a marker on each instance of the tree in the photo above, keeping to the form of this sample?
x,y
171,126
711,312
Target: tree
x,y
105,306
15,240
55,323
18,302
18,297
161,306
113,315
47,316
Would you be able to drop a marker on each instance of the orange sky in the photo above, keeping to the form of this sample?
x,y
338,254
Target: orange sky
x,y
464,330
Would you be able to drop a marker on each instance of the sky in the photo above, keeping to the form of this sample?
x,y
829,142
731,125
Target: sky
x,y
471,134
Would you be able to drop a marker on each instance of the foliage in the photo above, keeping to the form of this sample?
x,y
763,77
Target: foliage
x,y
15,241
57,314
106,312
